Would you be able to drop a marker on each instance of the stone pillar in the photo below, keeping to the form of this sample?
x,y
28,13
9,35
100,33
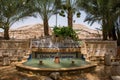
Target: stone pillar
x,y
33,54
107,59
6,60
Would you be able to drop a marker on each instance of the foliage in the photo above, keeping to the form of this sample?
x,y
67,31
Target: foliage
x,y
103,12
45,9
70,8
65,32
12,11
69,5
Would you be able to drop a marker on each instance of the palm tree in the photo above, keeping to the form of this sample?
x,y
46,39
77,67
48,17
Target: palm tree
x,y
10,12
45,9
70,7
98,29
57,8
117,26
101,11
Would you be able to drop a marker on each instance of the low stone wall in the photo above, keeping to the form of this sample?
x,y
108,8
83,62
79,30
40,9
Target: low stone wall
x,y
13,50
97,49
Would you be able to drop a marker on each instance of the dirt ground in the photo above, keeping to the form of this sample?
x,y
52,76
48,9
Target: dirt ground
x,y
101,73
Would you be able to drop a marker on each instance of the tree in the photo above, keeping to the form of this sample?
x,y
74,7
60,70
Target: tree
x,y
57,8
45,9
70,7
103,12
10,12
117,25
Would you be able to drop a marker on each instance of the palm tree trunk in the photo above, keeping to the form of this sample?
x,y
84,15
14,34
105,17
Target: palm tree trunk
x,y
70,18
56,18
114,36
70,15
118,36
118,40
104,35
46,27
110,34
104,31
6,33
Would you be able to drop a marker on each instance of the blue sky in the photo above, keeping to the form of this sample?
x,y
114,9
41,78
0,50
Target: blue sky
x,y
62,21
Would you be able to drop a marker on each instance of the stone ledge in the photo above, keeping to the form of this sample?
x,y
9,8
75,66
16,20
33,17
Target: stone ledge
x,y
86,68
115,77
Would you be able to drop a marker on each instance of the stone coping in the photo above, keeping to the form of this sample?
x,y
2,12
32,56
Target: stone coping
x,y
57,50
35,69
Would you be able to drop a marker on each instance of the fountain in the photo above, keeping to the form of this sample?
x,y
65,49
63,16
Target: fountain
x,y
55,54
49,56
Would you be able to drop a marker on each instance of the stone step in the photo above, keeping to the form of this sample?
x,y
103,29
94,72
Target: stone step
x,y
5,67
115,77
7,70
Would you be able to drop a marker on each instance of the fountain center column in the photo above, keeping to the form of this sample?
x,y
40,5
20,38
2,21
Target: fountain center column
x,y
57,60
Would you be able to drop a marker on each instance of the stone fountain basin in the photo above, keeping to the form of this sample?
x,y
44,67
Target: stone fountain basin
x,y
37,68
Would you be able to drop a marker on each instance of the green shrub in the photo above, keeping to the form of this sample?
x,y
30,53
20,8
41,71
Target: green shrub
x,y
65,32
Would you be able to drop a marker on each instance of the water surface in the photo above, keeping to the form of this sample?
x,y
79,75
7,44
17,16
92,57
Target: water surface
x,y
49,63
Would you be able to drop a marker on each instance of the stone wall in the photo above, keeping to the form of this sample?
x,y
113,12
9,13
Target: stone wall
x,y
14,50
98,48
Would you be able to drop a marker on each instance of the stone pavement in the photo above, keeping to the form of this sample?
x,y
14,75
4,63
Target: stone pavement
x,y
101,73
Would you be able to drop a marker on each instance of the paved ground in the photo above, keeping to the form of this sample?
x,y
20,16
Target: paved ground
x,y
101,73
